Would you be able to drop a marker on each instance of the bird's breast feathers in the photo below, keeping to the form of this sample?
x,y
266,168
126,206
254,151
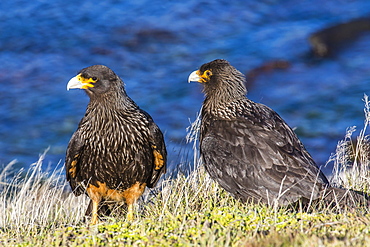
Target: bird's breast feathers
x,y
115,131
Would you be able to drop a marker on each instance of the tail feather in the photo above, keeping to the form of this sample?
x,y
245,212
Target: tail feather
x,y
344,198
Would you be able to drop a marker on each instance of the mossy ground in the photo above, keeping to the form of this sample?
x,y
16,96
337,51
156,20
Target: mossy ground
x,y
186,211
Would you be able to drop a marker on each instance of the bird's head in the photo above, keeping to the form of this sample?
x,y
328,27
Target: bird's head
x,y
96,80
220,79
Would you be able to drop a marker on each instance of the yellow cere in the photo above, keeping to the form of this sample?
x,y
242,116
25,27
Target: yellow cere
x,y
205,76
86,81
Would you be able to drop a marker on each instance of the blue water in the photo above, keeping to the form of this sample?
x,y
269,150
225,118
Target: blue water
x,y
153,46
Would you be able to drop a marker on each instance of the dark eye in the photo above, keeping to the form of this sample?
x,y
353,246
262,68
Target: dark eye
x,y
94,78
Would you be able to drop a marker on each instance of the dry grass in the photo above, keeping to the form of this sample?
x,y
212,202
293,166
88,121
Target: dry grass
x,y
38,209
351,160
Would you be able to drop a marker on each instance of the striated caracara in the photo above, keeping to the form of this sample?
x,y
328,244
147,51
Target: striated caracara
x,y
117,149
251,151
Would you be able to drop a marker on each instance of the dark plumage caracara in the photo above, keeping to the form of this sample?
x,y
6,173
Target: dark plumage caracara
x,y
117,149
251,152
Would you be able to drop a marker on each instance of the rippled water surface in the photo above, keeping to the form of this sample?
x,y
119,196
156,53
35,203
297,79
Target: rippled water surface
x,y
154,45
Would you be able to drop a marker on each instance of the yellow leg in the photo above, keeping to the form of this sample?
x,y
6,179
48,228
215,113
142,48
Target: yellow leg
x,y
130,212
95,194
131,195
94,217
